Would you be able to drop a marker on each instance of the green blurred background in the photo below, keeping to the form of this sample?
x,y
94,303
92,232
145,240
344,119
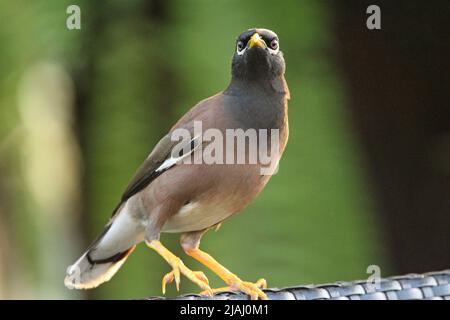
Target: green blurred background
x,y
364,180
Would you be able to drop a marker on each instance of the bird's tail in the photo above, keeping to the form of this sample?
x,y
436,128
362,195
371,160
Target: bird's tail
x,y
107,254
87,274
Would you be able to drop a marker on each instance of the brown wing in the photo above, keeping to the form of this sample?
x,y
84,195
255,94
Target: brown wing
x,y
148,171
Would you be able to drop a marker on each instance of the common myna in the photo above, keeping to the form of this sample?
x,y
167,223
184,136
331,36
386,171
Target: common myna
x,y
190,185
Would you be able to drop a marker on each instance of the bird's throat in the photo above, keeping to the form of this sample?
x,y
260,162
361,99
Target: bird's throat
x,y
275,86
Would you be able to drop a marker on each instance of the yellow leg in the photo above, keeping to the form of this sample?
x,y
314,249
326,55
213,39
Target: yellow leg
x,y
233,282
178,267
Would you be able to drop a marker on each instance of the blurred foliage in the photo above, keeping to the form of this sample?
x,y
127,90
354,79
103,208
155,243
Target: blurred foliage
x,y
136,67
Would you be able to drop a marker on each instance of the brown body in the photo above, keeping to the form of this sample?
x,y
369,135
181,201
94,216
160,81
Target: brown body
x,y
167,195
194,197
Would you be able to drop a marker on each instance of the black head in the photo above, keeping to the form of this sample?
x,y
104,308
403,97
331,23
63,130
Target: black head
x,y
257,55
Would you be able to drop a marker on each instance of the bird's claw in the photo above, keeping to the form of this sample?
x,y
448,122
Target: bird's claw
x,y
169,277
201,276
250,288
179,268
261,283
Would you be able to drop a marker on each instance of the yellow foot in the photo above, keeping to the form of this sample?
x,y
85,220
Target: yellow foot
x,y
179,268
250,288
196,277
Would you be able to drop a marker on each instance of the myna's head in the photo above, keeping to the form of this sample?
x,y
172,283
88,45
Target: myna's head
x,y
257,55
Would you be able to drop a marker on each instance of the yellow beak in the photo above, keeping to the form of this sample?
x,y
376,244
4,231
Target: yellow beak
x,y
256,41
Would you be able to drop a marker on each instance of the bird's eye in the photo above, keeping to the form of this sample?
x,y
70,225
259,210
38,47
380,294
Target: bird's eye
x,y
274,44
240,45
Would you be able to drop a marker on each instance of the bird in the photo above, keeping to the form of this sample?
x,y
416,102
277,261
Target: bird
x,y
172,192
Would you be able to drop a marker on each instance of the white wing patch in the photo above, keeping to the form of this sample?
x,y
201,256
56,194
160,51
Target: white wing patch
x,y
173,160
